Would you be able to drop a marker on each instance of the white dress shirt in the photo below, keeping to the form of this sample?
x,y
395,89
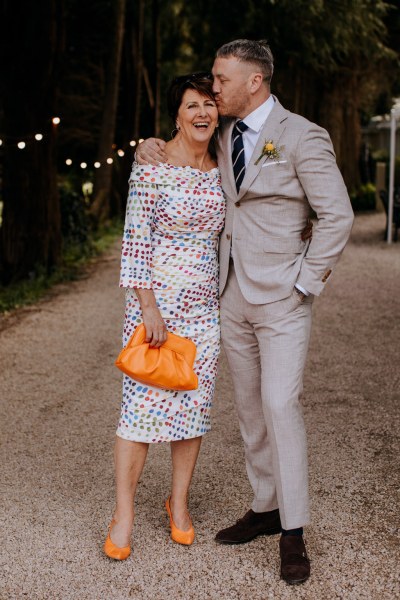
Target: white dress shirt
x,y
255,122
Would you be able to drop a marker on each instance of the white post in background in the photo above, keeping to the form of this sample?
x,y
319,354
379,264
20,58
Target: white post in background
x,y
393,116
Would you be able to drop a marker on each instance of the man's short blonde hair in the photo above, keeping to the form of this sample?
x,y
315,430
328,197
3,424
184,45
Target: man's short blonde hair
x,y
252,51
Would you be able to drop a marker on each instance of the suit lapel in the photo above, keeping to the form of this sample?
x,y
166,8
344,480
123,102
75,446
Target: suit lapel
x,y
224,153
273,128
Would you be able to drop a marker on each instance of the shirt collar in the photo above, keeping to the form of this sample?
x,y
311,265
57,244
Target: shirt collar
x,y
256,119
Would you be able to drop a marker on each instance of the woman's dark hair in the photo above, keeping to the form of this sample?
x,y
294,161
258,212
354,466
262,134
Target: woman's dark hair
x,y
201,82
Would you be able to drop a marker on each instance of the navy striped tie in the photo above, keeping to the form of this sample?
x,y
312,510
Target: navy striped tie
x,y
238,153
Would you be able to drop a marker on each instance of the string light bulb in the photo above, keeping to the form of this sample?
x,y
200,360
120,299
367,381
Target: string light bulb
x,y
141,140
109,161
21,145
56,120
132,143
68,162
83,165
38,137
1,142
97,165
121,153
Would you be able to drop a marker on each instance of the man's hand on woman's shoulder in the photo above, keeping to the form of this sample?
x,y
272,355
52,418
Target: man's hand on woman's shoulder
x,y
151,152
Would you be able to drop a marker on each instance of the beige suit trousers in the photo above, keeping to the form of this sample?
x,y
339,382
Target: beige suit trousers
x,y
266,347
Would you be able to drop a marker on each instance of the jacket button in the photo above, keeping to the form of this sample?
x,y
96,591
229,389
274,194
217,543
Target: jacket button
x,y
228,236
325,277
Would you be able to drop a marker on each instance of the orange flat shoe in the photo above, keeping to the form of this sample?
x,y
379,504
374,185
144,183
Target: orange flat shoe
x,y
113,551
177,535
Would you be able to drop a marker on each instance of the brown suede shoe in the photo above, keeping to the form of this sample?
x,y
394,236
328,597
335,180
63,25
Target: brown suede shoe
x,y
249,527
295,566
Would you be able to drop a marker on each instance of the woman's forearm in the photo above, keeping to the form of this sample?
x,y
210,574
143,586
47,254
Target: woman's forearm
x,y
146,298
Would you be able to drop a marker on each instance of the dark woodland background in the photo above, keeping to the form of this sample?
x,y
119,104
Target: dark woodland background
x,y
102,67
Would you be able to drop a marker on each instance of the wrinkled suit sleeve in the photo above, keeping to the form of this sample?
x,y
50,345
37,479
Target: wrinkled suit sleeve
x,y
326,193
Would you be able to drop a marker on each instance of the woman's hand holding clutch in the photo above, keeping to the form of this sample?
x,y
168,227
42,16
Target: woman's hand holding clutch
x,y
156,331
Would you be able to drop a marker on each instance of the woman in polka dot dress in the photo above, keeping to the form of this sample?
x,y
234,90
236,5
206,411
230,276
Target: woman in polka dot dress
x,y
169,266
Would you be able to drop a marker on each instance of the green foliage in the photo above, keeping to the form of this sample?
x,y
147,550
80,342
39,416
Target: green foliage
x,y
328,34
76,256
363,198
74,216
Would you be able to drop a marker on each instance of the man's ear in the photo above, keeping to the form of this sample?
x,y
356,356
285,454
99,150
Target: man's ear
x,y
256,82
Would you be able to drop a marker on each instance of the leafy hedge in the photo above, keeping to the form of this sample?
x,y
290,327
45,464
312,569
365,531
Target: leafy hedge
x,y
363,198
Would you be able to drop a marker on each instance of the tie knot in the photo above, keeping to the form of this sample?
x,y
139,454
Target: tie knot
x,y
241,127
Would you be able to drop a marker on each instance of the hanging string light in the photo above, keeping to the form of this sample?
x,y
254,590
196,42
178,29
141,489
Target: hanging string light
x,y
21,144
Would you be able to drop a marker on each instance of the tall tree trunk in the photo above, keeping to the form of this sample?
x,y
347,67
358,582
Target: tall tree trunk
x,y
100,208
351,134
138,56
298,89
339,115
30,235
157,44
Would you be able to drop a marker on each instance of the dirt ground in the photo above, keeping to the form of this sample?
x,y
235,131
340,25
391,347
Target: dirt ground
x,y
59,403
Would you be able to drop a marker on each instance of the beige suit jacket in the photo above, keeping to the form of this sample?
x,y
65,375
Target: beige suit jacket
x,y
265,219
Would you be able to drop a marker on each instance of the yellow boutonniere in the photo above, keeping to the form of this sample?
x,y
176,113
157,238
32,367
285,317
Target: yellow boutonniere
x,y
269,150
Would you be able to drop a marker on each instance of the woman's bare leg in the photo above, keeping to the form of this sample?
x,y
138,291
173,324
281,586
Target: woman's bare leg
x,y
129,459
184,456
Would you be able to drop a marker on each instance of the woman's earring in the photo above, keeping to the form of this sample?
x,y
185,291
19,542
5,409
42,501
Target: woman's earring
x,y
175,131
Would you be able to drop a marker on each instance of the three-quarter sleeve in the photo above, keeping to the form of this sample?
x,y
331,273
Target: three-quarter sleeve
x,y
136,256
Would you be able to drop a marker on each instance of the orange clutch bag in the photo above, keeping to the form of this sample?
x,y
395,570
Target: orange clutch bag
x,y
169,367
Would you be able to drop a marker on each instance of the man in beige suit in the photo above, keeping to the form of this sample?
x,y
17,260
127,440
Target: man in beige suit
x,y
274,165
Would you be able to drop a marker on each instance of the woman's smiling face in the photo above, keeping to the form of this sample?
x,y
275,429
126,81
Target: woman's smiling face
x,y
197,116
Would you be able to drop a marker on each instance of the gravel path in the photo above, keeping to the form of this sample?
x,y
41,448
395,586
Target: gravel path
x,y
59,402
